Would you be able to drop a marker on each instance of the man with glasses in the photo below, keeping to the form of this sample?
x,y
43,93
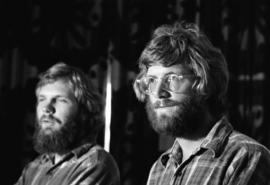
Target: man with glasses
x,y
183,79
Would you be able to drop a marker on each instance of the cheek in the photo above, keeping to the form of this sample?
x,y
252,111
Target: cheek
x,y
38,112
151,99
66,113
180,97
186,88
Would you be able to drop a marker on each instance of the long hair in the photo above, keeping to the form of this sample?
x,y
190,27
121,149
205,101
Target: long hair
x,y
184,43
89,101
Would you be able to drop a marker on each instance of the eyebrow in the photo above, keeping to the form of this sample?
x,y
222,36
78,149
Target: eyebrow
x,y
55,96
169,73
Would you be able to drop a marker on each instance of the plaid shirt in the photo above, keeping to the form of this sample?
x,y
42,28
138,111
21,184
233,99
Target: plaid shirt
x,y
224,157
86,165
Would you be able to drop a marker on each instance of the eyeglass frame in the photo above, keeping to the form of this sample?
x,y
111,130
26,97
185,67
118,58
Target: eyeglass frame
x,y
148,90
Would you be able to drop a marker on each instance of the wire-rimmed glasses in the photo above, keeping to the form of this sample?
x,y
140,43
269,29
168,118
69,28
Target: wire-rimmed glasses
x,y
171,82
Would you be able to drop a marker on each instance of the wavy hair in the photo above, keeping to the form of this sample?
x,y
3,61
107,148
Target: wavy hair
x,y
89,101
184,43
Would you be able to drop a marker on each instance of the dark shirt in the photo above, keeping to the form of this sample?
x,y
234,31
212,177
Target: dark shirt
x,y
224,157
86,165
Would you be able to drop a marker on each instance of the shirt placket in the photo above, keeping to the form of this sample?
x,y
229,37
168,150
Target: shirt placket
x,y
168,173
172,167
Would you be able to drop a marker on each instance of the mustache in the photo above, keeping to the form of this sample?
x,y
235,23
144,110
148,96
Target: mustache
x,y
49,118
165,103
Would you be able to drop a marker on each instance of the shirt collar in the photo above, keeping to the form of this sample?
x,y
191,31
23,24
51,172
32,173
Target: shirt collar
x,y
214,141
77,152
175,152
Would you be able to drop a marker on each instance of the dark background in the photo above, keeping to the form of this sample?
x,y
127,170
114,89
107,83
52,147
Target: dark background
x,y
97,34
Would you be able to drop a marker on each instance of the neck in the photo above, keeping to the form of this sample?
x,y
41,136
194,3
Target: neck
x,y
190,143
189,146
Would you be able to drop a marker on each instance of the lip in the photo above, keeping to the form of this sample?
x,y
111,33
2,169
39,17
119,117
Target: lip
x,y
165,106
47,123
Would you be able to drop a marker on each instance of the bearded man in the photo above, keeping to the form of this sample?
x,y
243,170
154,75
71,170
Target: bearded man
x,y
183,79
68,118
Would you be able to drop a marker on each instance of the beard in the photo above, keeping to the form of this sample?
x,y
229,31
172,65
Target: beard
x,y
186,121
56,141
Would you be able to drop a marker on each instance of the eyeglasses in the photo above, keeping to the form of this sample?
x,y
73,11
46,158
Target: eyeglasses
x,y
171,83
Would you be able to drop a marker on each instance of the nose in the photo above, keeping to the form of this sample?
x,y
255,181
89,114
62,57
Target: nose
x,y
48,109
161,92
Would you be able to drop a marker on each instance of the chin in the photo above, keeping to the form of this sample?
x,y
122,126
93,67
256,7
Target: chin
x,y
177,120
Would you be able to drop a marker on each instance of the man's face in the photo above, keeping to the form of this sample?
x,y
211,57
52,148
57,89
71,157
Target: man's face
x,y
173,113
56,113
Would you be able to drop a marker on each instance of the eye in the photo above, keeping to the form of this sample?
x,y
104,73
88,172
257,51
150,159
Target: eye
x,y
174,78
62,100
151,80
174,82
40,99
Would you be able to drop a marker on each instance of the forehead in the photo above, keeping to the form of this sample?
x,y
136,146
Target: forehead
x,y
159,70
58,88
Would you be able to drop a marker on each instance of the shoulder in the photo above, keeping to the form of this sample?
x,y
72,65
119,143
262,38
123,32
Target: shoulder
x,y
39,160
241,141
96,155
247,160
242,149
103,163
33,166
